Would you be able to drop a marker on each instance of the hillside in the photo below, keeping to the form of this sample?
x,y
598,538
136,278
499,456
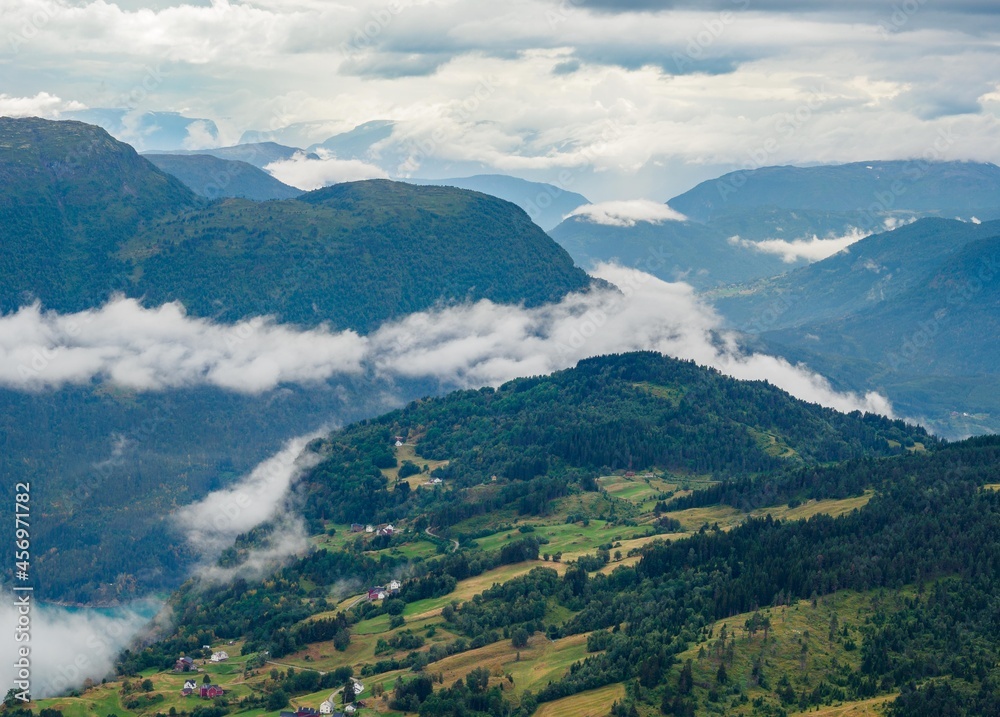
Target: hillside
x,y
375,250
71,194
802,588
943,189
211,177
871,271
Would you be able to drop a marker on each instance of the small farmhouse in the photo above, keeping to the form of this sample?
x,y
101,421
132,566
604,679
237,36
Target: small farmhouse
x,y
220,656
184,664
208,692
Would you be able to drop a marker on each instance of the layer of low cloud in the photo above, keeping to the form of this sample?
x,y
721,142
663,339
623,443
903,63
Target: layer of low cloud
x,y
476,344
69,646
810,249
627,213
151,349
307,173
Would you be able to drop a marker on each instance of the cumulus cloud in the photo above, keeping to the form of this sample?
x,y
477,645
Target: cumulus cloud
x,y
627,212
467,345
307,174
41,105
68,646
811,249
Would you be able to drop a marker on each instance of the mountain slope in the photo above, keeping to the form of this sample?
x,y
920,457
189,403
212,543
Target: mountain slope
x,y
698,254
546,204
212,177
946,324
70,195
542,437
870,271
940,188
353,255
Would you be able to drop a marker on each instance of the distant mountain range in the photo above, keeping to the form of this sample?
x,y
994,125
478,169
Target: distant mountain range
x,y
943,189
151,131
259,154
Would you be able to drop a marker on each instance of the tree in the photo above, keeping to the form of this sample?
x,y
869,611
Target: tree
x,y
519,638
722,676
206,680
277,700
147,685
348,693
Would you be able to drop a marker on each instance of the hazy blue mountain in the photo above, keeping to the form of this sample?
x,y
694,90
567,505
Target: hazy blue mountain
x,y
150,130
869,272
357,143
258,154
672,250
212,177
944,189
546,204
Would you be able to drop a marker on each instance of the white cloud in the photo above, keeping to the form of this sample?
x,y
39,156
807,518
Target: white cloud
x,y
41,105
200,136
68,646
308,174
212,524
811,249
152,349
627,212
467,345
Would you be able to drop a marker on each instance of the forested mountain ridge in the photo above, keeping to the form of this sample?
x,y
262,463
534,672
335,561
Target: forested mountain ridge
x,y
879,581
541,436
87,216
69,196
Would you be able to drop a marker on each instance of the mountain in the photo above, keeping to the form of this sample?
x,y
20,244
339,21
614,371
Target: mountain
x,y
211,177
259,154
909,313
83,216
867,273
546,204
376,250
672,250
549,435
358,142
150,130
944,189
86,216
522,532
71,196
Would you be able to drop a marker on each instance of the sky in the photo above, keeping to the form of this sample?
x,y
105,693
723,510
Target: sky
x,y
622,100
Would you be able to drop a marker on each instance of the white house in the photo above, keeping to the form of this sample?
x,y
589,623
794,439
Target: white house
x,y
394,586
350,709
369,529
190,685
220,656
326,707
398,444
437,481
359,687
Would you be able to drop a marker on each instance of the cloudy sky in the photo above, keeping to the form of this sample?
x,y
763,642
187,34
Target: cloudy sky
x,y
634,99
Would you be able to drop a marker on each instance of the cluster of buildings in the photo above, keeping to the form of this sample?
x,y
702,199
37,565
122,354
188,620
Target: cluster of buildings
x,y
206,692
380,592
388,529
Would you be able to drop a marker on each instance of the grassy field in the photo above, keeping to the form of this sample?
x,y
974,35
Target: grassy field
x,y
798,644
863,708
408,452
593,703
